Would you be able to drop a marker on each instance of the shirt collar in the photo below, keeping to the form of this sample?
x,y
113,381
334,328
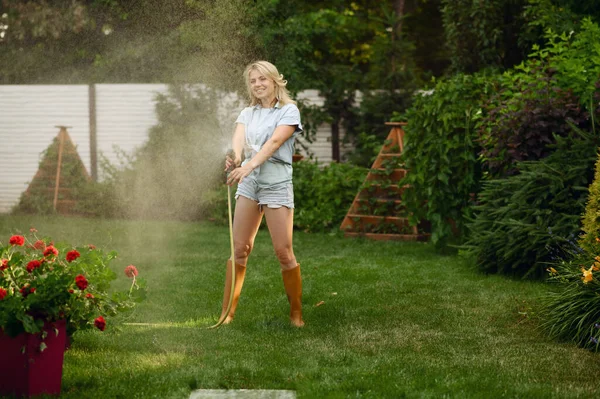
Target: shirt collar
x,y
277,105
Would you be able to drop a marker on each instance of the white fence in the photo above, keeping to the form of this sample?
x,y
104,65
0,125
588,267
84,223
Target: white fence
x,y
124,114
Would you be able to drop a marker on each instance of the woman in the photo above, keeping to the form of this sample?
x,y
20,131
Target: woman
x,y
264,139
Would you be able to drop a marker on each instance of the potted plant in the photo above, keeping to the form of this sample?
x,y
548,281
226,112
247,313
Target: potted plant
x,y
47,293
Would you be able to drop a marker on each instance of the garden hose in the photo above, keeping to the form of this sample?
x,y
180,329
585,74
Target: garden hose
x,y
222,319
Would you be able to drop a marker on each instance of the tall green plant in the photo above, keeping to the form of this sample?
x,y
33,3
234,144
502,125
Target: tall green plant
x,y
591,217
571,308
482,34
538,97
521,219
441,154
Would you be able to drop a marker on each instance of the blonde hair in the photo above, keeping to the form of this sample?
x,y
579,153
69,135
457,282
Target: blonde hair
x,y
270,72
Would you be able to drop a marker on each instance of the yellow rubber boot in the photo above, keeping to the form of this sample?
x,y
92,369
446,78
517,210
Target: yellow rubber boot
x,y
292,281
240,273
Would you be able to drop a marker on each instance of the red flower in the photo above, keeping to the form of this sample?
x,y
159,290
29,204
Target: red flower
x,y
4,264
25,290
88,295
72,255
100,323
17,240
50,250
3,293
81,282
131,271
71,291
34,264
39,244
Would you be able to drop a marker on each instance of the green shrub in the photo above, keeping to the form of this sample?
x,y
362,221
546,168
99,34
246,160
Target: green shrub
x,y
571,309
322,196
522,127
441,154
520,219
171,176
591,218
536,99
482,34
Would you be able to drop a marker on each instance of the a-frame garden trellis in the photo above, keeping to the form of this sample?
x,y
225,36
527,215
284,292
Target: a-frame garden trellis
x,y
60,177
377,211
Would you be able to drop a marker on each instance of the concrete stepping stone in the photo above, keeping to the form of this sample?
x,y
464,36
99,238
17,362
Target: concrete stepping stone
x,y
242,394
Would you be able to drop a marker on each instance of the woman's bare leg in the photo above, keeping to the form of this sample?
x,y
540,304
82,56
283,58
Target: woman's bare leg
x,y
280,222
245,226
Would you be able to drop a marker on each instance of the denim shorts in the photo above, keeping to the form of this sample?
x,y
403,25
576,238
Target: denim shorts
x,y
273,196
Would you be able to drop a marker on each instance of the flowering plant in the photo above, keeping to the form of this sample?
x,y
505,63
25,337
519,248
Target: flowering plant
x,y
42,282
571,308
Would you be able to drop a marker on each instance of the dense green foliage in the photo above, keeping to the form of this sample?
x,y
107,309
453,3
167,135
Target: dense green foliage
x,y
129,41
441,154
572,308
73,182
323,195
482,34
521,219
591,218
520,127
535,100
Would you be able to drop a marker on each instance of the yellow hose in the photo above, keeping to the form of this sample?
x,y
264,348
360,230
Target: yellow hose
x,y
222,319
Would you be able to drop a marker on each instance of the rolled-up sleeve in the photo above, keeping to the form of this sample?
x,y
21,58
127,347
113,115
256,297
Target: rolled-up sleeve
x,y
243,117
291,117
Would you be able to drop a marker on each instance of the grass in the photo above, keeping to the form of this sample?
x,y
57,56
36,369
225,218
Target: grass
x,y
398,320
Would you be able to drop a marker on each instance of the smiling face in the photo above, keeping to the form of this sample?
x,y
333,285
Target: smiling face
x,y
262,87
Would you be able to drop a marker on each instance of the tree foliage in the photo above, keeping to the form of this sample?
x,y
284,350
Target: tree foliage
x,y
482,34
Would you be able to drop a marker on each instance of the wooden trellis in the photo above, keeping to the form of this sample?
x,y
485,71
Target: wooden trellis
x,y
377,211
60,174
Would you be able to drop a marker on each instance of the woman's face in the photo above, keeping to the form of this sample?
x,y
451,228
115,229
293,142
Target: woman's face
x,y
262,87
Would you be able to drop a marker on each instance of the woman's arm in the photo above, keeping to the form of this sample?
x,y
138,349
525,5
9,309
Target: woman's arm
x,y
281,134
237,142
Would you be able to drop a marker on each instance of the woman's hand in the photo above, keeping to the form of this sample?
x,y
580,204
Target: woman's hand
x,y
231,163
238,174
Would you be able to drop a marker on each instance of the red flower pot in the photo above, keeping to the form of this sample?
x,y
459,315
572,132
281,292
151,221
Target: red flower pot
x,y
27,371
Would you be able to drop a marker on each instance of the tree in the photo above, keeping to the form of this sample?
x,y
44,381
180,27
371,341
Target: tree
x,y
85,41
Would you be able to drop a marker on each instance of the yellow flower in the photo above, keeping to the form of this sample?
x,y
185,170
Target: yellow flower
x,y
587,275
597,258
596,266
552,270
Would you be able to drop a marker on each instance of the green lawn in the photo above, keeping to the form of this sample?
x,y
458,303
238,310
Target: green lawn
x,y
399,320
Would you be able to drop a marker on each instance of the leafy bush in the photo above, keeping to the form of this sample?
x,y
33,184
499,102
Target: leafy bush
x,y
521,219
179,164
39,197
441,154
536,100
591,218
572,308
521,127
482,34
322,196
